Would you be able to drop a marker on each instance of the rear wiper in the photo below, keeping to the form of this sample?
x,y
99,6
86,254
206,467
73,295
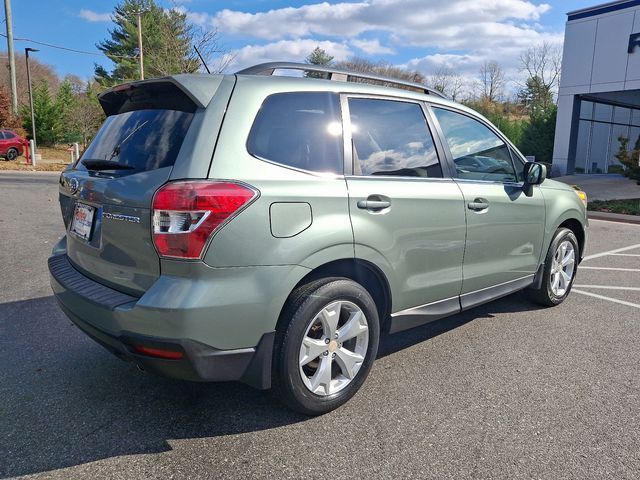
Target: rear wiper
x,y
101,164
116,149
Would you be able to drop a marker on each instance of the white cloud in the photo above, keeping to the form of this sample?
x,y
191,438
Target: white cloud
x,y
457,34
285,50
92,16
372,47
419,22
322,18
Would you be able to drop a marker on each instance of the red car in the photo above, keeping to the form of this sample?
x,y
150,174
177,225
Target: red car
x,y
11,144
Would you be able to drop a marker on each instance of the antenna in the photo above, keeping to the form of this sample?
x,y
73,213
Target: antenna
x,y
202,59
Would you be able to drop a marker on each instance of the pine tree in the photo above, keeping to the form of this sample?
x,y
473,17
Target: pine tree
x,y
536,96
318,57
167,43
45,112
64,104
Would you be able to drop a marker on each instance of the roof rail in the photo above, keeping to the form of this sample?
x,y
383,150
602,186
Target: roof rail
x,y
335,74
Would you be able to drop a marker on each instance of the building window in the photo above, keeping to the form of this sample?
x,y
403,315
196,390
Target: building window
x,y
600,126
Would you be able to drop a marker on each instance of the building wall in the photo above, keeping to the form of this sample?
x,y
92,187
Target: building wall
x,y
595,60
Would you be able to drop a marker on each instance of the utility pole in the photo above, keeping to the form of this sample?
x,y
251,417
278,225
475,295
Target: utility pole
x,y
12,58
139,14
33,119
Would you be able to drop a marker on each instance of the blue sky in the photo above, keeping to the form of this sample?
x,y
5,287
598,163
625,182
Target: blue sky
x,y
421,34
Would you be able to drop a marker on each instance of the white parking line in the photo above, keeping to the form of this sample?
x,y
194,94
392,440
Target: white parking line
x,y
607,287
602,297
611,268
617,250
625,254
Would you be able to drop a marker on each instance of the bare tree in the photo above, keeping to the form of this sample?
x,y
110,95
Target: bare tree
x,y
492,81
543,62
176,53
360,64
39,72
448,82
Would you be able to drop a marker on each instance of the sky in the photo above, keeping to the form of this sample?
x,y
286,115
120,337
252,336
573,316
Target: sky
x,y
419,34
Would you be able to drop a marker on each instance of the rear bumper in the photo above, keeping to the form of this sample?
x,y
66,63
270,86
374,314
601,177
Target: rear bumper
x,y
104,315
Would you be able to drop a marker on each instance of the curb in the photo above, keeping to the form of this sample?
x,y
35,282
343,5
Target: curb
x,y
614,217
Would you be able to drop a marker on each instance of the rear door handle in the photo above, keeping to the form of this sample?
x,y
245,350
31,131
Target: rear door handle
x,y
478,205
374,205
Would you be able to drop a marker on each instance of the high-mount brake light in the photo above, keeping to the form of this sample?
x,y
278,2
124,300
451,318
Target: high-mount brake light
x,y
187,213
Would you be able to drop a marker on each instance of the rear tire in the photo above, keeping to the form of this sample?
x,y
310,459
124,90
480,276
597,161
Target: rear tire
x,y
12,154
560,267
325,345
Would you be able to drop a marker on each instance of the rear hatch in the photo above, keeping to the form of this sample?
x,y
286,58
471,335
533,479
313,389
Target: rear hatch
x,y
106,196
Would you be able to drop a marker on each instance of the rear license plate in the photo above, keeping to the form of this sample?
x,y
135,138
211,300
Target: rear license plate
x,y
82,221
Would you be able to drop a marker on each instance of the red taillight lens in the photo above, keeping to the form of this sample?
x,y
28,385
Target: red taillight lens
x,y
158,352
185,214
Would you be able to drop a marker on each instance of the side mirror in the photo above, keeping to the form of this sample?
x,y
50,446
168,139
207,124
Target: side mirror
x,y
534,174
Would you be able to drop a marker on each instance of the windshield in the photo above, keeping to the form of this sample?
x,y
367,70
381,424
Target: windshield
x,y
142,140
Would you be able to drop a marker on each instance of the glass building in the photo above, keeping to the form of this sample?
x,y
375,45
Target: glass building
x,y
599,97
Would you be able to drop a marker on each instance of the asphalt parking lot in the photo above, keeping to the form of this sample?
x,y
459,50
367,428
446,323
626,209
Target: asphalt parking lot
x,y
506,390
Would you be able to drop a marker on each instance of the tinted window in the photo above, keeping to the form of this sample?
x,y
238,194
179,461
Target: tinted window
x,y
391,138
142,139
300,130
8,135
478,153
2,136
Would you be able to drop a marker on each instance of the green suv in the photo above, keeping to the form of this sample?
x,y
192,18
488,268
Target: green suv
x,y
267,228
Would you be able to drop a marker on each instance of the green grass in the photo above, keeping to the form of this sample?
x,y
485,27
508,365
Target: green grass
x,y
627,207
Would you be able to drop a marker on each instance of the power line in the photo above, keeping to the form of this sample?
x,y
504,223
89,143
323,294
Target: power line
x,y
73,50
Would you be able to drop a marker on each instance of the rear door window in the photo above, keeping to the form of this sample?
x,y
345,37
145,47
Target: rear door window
x,y
391,138
141,139
300,130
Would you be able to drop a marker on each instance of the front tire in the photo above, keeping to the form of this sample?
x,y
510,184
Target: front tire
x,y
560,267
325,346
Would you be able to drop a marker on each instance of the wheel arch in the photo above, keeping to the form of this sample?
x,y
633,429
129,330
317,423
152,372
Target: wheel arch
x,y
360,271
578,230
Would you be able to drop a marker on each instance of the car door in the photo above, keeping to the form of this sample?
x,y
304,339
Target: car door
x,y
505,227
4,143
407,213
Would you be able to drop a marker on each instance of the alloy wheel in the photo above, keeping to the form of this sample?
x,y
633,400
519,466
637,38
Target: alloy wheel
x,y
563,268
333,348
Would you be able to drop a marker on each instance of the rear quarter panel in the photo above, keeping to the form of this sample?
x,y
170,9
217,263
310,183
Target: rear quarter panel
x,y
248,238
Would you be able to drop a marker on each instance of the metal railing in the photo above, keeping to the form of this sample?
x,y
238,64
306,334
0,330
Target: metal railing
x,y
338,75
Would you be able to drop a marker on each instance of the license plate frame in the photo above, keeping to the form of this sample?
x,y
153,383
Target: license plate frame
x,y
82,221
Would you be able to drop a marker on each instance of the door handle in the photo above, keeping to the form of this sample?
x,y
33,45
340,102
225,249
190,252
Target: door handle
x,y
478,205
374,205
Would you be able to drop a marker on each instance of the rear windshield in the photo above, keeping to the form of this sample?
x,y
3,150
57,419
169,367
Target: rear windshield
x,y
142,139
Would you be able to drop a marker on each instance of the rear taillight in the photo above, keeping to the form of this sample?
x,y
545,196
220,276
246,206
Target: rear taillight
x,y
187,213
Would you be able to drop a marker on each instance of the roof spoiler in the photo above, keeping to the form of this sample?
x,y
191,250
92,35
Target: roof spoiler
x,y
179,92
